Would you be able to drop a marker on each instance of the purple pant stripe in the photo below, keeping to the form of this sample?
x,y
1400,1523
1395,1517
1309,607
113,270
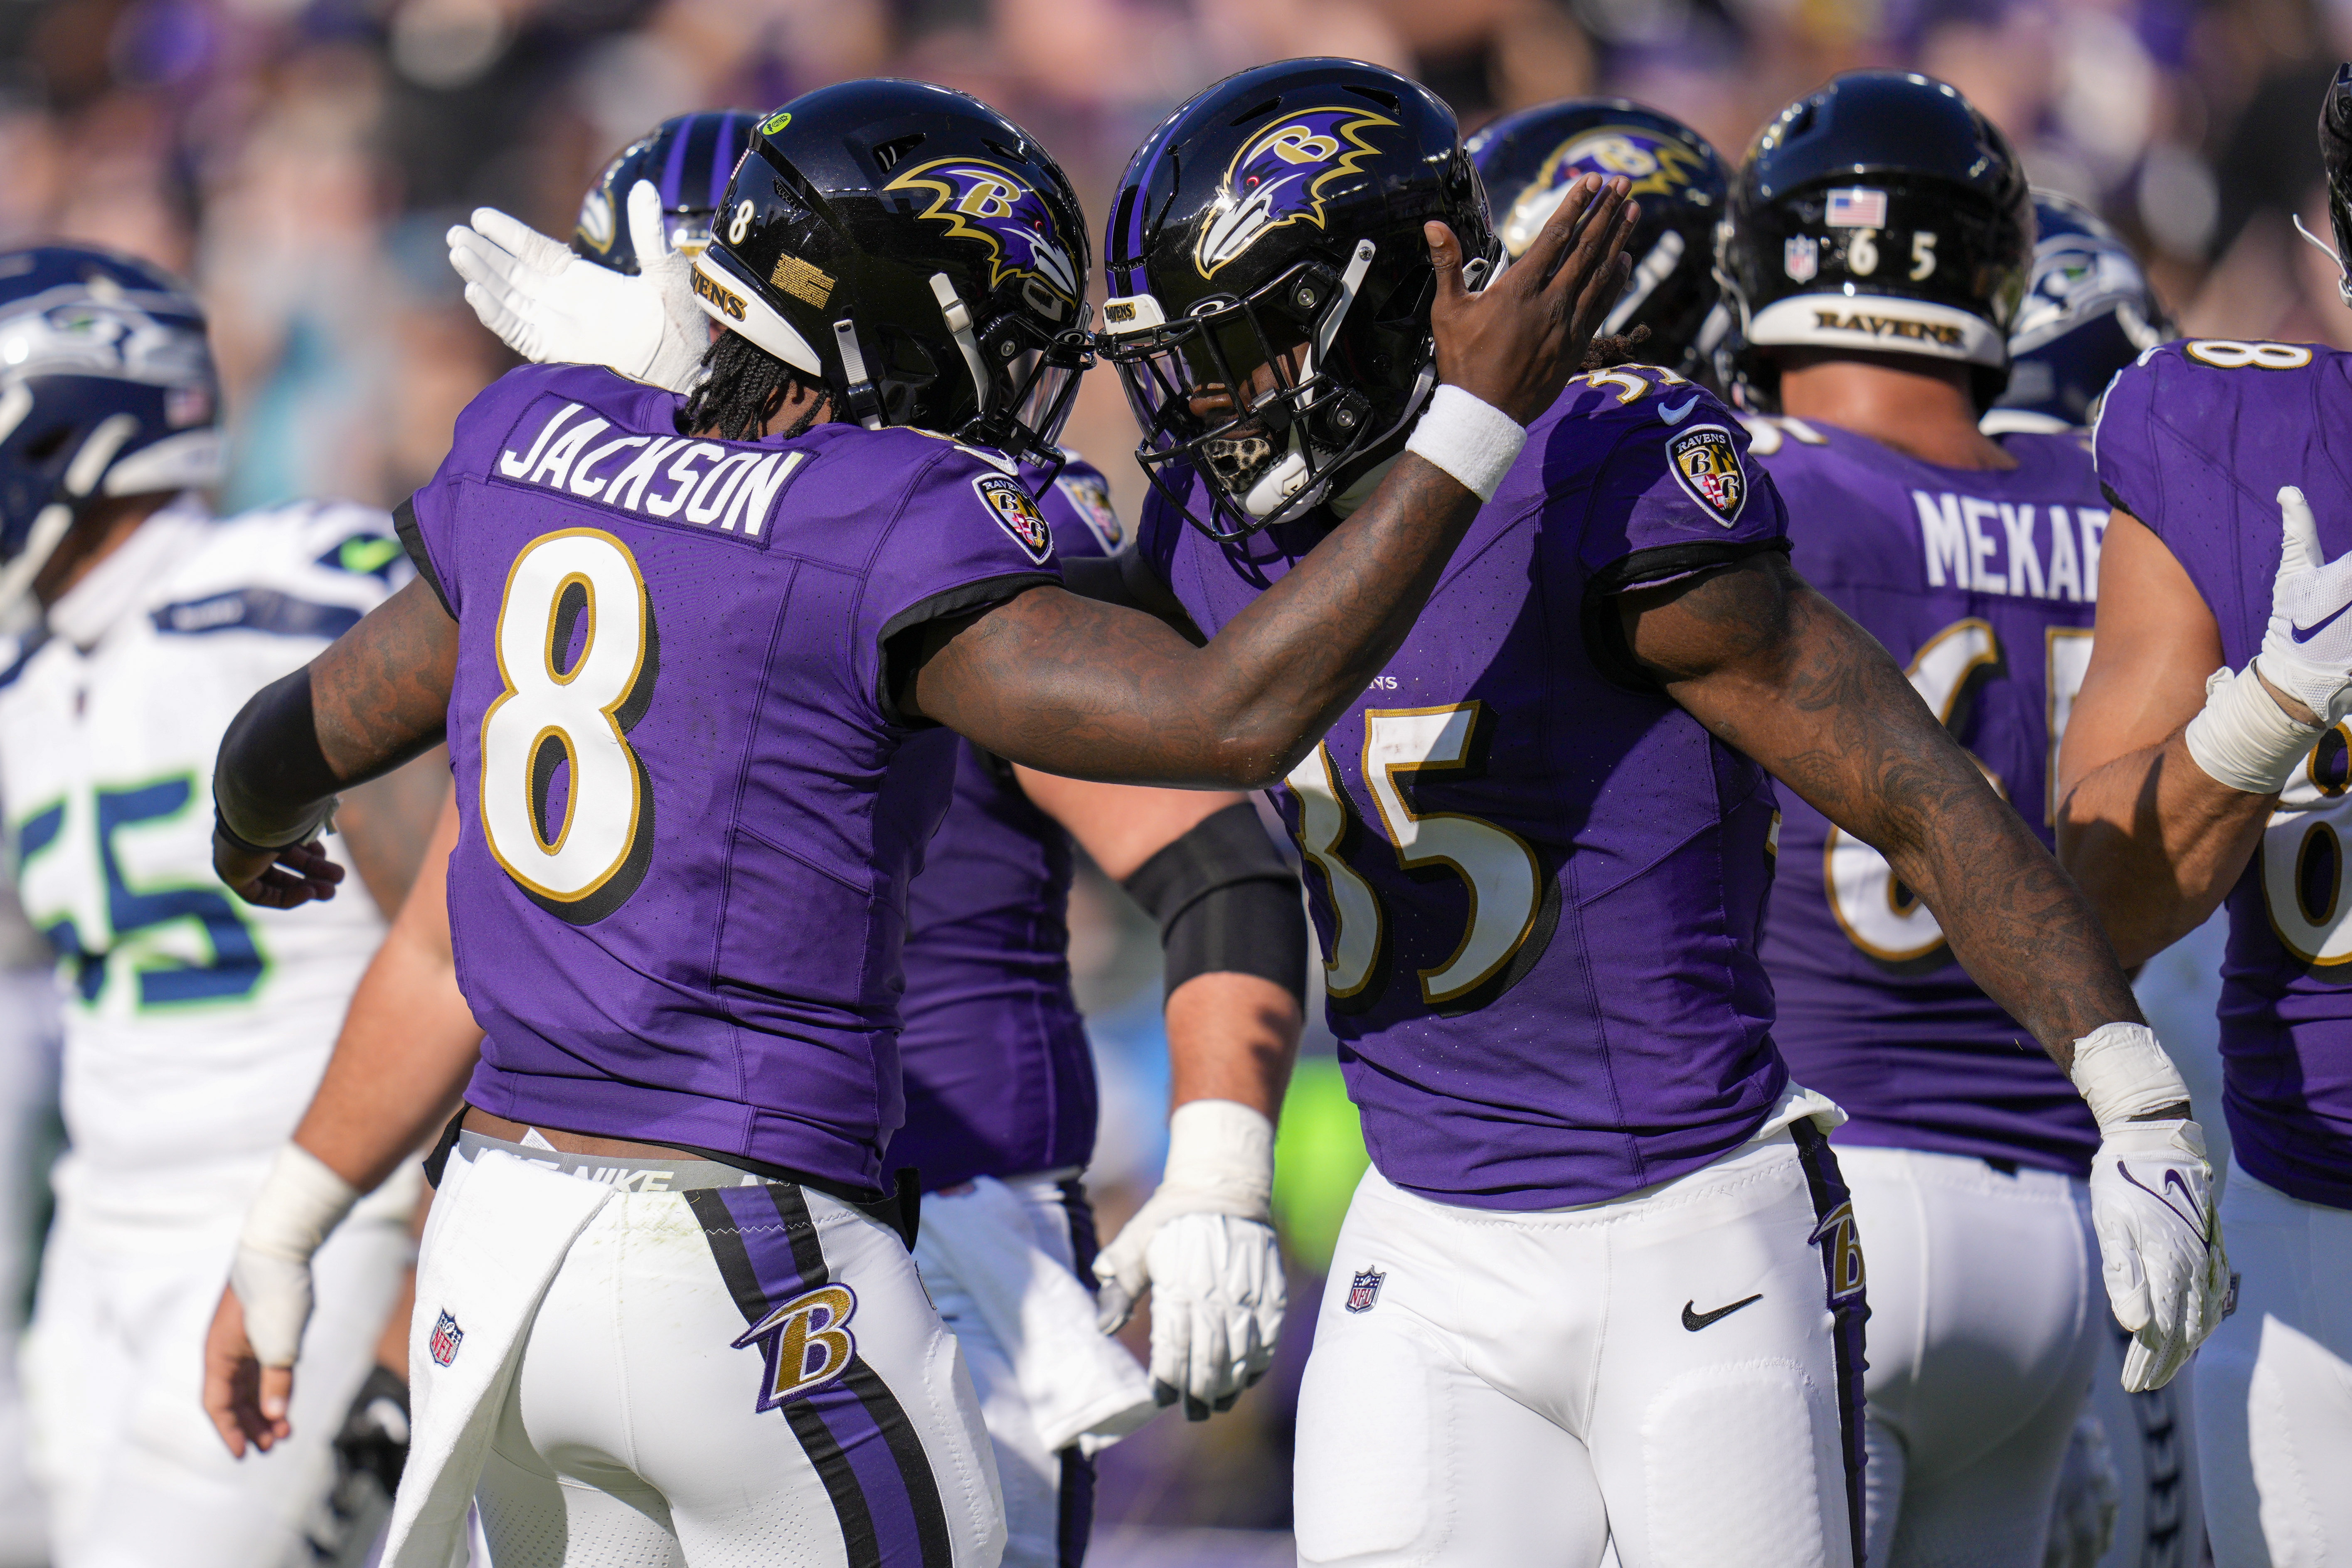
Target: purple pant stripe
x,y
767,1243
1848,1316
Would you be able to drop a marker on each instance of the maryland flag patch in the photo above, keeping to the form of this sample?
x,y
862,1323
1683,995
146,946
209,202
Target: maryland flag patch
x,y
1016,513
1706,465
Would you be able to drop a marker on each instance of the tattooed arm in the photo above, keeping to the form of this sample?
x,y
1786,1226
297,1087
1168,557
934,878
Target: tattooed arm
x,y
1773,668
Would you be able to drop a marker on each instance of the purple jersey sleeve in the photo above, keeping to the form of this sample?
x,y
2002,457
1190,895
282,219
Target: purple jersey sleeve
x,y
2122,443
1674,495
967,532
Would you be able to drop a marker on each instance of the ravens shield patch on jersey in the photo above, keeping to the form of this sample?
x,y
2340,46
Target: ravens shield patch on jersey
x,y
1707,466
1017,512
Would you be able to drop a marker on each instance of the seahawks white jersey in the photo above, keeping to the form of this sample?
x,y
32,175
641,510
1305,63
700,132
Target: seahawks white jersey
x,y
196,1026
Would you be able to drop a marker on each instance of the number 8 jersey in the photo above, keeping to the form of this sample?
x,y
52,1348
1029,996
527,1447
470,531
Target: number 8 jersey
x,y
2194,441
1537,881
690,806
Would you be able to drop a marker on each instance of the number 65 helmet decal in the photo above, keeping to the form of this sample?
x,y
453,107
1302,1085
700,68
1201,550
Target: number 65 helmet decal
x,y
1883,213
1265,241
917,253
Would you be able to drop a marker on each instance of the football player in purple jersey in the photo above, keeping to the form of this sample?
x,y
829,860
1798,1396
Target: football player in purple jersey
x,y
1000,1078
2207,762
1602,1281
697,659
1877,243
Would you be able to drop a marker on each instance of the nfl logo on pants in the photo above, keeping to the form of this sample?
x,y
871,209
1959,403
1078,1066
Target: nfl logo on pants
x,y
446,1337
1364,1289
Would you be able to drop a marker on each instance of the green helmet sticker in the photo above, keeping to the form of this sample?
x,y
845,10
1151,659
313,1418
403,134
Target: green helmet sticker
x,y
775,122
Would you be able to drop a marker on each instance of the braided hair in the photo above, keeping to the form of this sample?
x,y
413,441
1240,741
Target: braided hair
x,y
742,387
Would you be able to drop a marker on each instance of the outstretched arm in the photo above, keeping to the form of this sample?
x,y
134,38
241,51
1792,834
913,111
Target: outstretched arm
x,y
1094,690
2155,840
1770,667
406,1047
1235,936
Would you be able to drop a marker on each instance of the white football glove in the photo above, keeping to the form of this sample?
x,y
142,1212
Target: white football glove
x,y
2082,1517
2151,1204
300,1202
2308,648
1204,1247
553,307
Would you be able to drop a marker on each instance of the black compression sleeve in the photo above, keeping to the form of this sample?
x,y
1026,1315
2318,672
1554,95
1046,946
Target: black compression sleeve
x,y
272,786
1227,904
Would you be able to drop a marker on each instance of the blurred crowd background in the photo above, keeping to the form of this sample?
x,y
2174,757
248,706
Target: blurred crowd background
x,y
300,160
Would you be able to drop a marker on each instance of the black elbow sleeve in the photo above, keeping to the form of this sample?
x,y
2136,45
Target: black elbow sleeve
x,y
271,785
1226,902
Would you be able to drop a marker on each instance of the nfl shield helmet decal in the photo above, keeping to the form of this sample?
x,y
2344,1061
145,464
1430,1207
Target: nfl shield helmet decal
x,y
446,1337
1279,177
1706,465
1016,513
1800,258
981,200
1364,1289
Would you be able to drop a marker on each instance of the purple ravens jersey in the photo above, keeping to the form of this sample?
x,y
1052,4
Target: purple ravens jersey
x,y
689,806
1000,1080
1537,881
2195,441
1981,583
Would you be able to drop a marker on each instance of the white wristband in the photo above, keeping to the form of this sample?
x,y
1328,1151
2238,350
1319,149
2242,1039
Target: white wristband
x,y
2242,737
1469,438
2123,1073
300,1202
1221,1154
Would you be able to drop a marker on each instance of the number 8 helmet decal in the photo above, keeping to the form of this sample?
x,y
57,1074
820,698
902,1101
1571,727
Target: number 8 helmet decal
x,y
915,252
1881,213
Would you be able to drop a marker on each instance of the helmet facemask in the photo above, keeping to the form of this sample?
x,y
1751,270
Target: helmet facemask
x,y
1250,393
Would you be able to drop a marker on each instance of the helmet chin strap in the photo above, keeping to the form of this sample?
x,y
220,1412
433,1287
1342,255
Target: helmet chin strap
x,y
55,519
2344,277
957,316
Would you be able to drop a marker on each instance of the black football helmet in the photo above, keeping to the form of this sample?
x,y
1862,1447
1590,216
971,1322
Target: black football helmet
x,y
2336,156
688,159
1266,240
106,388
917,254
1529,160
1881,212
2088,312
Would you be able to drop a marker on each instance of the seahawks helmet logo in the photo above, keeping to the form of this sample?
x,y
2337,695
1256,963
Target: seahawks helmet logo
x,y
1279,178
986,201
1657,165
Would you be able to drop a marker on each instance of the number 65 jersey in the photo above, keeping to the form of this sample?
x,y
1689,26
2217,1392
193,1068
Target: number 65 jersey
x,y
2195,441
1537,881
689,804
1982,584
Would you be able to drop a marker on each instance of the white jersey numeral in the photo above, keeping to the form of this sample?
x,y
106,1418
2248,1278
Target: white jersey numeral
x,y
2303,855
2227,353
1875,911
558,710
1502,873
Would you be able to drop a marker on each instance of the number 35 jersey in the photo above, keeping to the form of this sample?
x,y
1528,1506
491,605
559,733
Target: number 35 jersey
x,y
196,1026
689,804
1981,583
1538,887
2195,441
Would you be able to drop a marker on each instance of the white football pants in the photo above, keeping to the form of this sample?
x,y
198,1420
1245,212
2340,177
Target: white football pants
x,y
1986,1314
113,1369
652,1425
1049,1498
1677,1371
2275,1385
